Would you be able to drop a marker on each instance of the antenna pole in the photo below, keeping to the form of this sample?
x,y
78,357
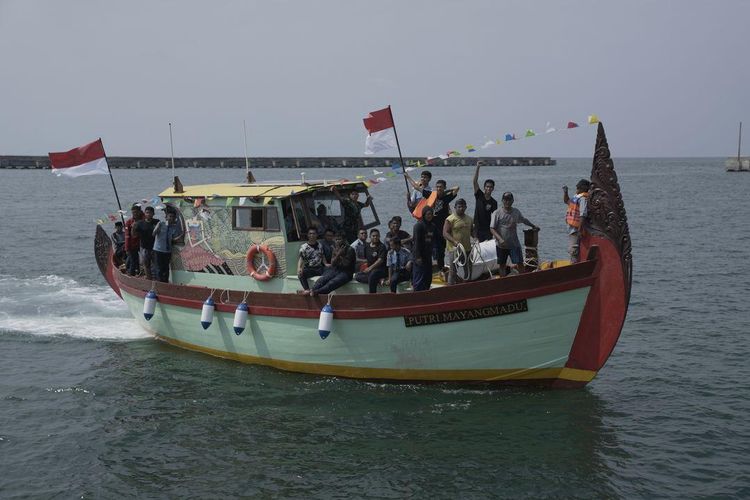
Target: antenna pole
x,y
171,146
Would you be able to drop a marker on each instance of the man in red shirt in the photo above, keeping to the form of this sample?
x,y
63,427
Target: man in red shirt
x,y
132,242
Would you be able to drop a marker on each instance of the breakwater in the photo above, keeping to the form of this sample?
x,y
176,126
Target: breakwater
x,y
42,162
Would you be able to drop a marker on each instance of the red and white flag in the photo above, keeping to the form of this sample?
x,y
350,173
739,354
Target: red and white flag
x,y
381,136
86,160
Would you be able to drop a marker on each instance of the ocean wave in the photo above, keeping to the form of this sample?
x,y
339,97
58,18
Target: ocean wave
x,y
51,305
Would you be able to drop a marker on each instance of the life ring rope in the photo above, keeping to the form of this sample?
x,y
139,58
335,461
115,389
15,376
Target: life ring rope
x,y
267,267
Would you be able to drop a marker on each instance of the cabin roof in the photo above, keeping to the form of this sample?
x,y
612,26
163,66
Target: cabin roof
x,y
264,189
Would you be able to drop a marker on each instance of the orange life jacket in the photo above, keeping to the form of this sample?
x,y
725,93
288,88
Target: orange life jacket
x,y
573,215
424,203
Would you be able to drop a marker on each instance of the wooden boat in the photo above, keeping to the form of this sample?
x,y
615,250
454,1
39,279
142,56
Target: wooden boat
x,y
553,327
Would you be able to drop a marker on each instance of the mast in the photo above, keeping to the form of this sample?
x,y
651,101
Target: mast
x,y
739,148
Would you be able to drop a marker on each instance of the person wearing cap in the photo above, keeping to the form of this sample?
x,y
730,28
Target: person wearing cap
x,y
503,227
166,234
132,243
457,231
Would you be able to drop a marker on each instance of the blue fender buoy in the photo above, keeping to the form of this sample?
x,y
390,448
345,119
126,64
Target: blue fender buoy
x,y
325,322
207,313
149,305
240,318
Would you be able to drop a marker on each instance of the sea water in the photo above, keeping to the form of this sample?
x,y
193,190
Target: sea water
x,y
92,407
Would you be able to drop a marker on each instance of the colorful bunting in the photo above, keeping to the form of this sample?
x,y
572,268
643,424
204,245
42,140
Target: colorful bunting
x,y
453,153
529,133
510,137
470,148
593,119
549,128
572,125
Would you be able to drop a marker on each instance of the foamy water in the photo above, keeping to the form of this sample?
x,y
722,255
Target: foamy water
x,y
54,305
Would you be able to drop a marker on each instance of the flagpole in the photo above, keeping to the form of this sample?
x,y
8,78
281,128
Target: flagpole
x,y
117,197
398,146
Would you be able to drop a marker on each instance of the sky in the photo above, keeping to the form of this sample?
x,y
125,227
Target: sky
x,y
666,77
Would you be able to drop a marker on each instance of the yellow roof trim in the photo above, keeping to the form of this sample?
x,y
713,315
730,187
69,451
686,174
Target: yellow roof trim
x,y
248,190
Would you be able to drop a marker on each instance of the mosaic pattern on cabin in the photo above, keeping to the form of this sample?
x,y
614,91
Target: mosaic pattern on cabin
x,y
211,245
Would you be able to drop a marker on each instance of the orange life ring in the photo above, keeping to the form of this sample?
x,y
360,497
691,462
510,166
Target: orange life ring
x,y
270,266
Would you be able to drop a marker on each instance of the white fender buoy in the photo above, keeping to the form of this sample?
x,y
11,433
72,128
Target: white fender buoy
x,y
207,313
240,318
149,305
325,322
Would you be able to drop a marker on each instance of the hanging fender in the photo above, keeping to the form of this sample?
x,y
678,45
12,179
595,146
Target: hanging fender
x,y
267,267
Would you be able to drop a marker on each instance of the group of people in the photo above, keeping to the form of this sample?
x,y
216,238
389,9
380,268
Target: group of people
x,y
144,243
348,252
439,233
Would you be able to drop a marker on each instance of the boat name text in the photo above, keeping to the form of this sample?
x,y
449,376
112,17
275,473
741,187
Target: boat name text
x,y
466,314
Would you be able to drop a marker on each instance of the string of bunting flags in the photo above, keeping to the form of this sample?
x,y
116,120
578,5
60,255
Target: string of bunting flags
x,y
395,170
378,139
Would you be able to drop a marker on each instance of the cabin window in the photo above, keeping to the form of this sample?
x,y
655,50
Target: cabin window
x,y
255,219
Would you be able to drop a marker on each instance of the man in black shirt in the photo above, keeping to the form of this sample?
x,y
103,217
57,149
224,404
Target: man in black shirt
x,y
375,253
485,205
341,270
424,232
441,210
144,229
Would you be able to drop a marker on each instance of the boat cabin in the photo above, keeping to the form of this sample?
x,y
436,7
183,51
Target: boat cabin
x,y
226,223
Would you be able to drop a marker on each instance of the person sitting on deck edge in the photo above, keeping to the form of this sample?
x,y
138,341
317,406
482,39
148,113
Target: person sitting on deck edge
x,y
375,271
341,270
311,259
399,264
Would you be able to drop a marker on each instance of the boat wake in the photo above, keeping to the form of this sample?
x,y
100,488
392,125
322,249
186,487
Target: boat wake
x,y
52,305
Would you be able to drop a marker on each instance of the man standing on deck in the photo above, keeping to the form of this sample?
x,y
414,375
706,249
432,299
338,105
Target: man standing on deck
x,y
132,243
424,183
441,211
144,228
166,233
352,209
503,227
457,229
424,232
485,206
576,215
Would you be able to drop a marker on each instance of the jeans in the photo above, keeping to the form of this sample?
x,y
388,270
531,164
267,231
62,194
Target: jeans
x,y
422,275
331,280
148,262
133,262
399,276
162,264
307,273
372,278
514,253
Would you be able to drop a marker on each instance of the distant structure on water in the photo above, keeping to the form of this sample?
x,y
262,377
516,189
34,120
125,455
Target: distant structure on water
x,y
42,162
738,163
